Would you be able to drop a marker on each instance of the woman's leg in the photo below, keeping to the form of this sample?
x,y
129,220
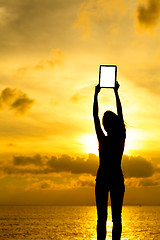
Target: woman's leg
x,y
117,194
101,202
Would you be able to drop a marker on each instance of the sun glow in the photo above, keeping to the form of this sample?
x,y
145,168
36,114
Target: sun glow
x,y
89,143
134,140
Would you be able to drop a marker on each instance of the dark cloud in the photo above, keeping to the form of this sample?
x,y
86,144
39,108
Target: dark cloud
x,y
86,183
22,161
149,15
7,95
12,170
22,104
45,185
137,167
41,185
76,166
83,181
16,100
133,167
158,169
37,164
148,183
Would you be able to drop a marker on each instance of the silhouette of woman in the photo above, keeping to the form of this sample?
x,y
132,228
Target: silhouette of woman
x,y
109,175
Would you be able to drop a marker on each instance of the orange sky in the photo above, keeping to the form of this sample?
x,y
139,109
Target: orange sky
x,y
50,56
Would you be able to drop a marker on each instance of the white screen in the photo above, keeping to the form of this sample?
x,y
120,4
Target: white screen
x,y
107,76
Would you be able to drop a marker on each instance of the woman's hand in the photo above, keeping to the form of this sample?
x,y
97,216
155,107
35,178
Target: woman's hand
x,y
97,89
116,86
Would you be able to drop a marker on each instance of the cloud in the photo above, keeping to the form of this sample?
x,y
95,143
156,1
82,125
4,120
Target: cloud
x,y
85,181
76,98
5,16
23,161
16,100
7,95
137,167
41,185
158,168
12,170
34,26
148,15
82,181
133,167
22,104
92,11
38,165
79,165
148,182
56,58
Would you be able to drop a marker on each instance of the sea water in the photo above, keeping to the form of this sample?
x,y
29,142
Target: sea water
x,y
75,223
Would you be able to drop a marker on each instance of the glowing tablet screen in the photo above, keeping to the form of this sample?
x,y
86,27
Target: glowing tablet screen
x,y
107,76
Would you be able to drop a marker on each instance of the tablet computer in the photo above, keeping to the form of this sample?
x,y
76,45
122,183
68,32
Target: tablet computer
x,y
107,76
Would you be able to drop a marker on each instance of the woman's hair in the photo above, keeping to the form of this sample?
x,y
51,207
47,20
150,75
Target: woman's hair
x,y
112,124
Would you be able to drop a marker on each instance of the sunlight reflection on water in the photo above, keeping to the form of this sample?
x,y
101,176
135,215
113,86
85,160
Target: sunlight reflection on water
x,y
77,223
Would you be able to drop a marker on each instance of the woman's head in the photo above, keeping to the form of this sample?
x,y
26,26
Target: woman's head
x,y
111,123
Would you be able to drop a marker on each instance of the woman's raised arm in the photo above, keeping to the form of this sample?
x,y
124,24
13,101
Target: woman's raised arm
x,y
118,102
97,124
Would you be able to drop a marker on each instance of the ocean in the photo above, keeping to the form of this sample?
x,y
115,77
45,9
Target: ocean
x,y
75,222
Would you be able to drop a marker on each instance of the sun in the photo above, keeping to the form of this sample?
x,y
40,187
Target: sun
x,y
89,143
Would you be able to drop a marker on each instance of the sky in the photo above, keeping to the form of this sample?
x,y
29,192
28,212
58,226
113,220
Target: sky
x,y
49,66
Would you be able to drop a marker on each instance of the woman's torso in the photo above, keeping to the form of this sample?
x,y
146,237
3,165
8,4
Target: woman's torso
x,y
110,155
